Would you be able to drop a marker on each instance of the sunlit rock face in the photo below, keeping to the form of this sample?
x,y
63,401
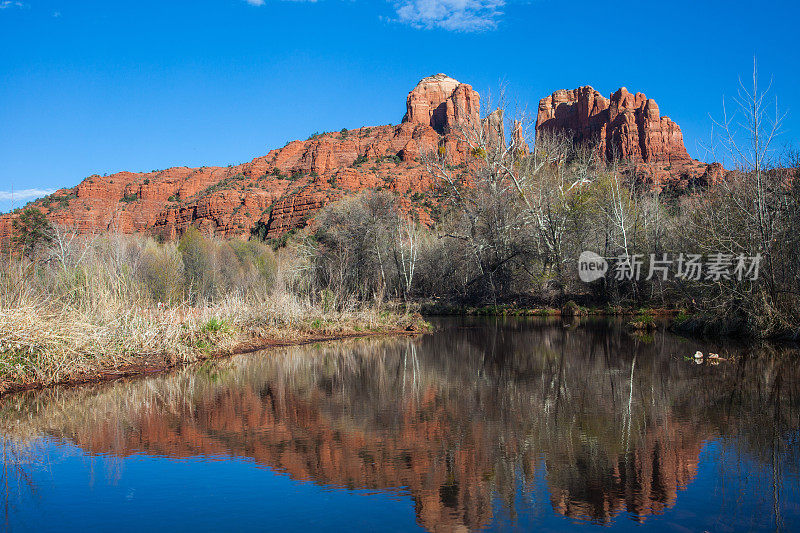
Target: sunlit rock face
x,y
627,127
442,103
283,189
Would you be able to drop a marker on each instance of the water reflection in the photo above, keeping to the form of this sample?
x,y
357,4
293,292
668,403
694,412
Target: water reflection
x,y
465,421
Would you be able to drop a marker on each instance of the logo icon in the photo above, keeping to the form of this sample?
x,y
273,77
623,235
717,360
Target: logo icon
x,y
591,267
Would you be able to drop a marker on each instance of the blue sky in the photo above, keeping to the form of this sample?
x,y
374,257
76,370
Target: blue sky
x,y
102,86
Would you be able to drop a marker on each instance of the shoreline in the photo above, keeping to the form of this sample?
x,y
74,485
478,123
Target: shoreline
x,y
568,309
690,324
163,363
640,320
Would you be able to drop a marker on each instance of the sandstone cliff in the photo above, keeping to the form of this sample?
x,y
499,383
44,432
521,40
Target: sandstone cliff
x,y
280,190
283,189
627,127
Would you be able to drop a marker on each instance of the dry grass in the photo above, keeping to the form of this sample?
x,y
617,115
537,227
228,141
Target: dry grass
x,y
43,344
63,321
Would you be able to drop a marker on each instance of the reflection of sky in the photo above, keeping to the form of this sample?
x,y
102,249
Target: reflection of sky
x,y
79,492
74,491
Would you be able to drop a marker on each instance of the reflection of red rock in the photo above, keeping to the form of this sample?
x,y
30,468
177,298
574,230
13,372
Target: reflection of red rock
x,y
643,482
447,481
628,127
447,461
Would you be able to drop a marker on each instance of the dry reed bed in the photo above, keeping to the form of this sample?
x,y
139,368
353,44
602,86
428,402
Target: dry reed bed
x,y
86,308
43,345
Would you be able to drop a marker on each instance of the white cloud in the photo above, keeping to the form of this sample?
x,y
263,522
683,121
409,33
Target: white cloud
x,y
24,194
5,4
453,15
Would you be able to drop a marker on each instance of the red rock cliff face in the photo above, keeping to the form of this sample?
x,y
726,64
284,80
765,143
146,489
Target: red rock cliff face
x,y
628,127
282,189
285,188
442,103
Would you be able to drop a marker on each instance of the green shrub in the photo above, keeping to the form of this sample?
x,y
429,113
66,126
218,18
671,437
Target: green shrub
x,y
572,309
56,201
259,230
30,231
215,325
197,256
256,261
394,158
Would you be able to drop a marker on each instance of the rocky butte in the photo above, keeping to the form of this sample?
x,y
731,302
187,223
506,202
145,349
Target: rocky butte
x,y
280,190
283,189
626,127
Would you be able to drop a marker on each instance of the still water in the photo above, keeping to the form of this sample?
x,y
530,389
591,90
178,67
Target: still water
x,y
486,424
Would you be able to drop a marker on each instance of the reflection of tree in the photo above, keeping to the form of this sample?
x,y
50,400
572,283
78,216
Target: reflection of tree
x,y
454,418
756,406
15,479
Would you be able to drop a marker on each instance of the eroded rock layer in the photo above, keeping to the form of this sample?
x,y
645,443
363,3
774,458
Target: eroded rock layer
x,y
627,127
283,189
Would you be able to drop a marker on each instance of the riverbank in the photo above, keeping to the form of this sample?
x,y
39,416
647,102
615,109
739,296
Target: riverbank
x,y
710,325
81,309
681,321
570,308
40,347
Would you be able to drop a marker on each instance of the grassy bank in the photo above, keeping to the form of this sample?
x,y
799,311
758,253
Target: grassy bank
x,y
681,321
42,346
111,306
704,324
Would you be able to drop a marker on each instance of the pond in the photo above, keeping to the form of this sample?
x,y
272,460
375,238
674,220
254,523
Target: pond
x,y
491,424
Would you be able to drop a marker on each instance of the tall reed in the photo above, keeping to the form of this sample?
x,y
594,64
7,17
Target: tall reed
x,y
84,305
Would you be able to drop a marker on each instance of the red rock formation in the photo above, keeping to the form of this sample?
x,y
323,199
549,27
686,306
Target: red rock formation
x,y
442,103
518,139
628,127
493,128
283,189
